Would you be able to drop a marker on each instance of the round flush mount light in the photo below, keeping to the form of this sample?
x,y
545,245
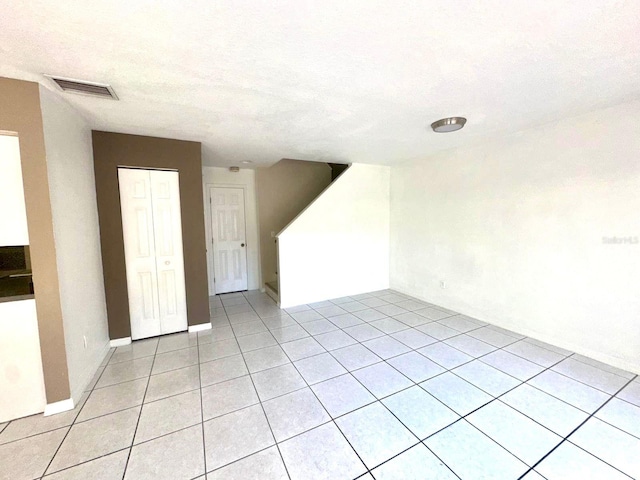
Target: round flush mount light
x,y
450,124
246,162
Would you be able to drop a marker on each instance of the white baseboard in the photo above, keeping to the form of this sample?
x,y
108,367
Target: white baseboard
x,y
120,342
58,407
200,327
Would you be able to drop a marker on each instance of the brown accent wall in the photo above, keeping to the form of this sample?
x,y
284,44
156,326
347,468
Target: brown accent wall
x,y
111,150
20,112
283,191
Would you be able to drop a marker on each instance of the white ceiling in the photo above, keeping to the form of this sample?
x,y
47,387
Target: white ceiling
x,y
345,81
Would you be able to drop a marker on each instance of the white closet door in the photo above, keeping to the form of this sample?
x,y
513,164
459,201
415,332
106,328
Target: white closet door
x,y
172,295
152,235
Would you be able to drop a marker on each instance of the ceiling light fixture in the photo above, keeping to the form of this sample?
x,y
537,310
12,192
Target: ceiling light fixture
x,y
246,162
450,124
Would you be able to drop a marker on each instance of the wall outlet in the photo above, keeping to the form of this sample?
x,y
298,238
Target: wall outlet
x,y
443,284
84,338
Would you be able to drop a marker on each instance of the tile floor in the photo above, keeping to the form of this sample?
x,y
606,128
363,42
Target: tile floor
x,y
376,386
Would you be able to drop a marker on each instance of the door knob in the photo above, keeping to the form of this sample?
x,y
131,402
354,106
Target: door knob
x,y
242,244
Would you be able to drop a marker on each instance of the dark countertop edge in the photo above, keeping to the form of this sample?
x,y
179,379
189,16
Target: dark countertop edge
x,y
17,298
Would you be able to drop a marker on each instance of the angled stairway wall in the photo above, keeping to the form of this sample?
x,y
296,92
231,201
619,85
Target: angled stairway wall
x,y
338,245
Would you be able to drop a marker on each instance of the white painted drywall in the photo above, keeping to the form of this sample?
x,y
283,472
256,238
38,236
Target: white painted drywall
x,y
515,228
13,214
339,245
245,179
21,378
77,238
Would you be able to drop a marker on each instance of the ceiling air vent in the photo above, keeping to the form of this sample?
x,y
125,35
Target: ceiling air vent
x,y
84,87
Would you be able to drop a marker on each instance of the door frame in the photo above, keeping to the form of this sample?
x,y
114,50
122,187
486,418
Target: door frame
x,y
209,230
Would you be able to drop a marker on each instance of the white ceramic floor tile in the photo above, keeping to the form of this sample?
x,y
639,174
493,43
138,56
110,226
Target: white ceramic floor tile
x,y
355,357
334,340
375,434
346,320
603,366
264,465
222,370
125,371
545,409
457,394
281,321
277,381
415,366
177,456
420,412
109,467
113,398
470,345
492,337
631,393
391,310
386,347
165,362
520,435
177,341
319,368
321,454
342,394
610,444
353,306
412,319
534,353
159,418
369,315
413,338
389,325
569,462
470,454
374,302
571,391
432,313
236,435
319,326
331,311
487,378
249,328
513,365
264,358
241,314
135,350
592,376
294,413
28,458
416,463
306,316
256,341
460,323
95,438
382,379
620,414
305,347
363,332
444,355
438,331
36,424
289,333
547,346
227,397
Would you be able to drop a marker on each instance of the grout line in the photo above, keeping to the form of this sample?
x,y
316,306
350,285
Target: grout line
x,y
204,443
566,438
263,412
133,438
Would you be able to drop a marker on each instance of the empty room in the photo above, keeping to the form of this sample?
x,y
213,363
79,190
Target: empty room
x,y
300,240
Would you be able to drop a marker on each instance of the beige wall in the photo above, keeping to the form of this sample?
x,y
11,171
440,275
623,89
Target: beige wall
x,y
20,113
283,191
517,230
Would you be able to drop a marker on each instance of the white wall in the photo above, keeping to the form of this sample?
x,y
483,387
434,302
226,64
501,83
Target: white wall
x,y
245,179
13,214
77,238
21,379
515,228
339,245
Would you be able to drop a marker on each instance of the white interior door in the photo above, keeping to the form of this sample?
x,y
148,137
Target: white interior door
x,y
152,232
229,239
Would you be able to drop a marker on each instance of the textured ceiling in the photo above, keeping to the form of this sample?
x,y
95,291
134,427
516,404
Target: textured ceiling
x,y
343,81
